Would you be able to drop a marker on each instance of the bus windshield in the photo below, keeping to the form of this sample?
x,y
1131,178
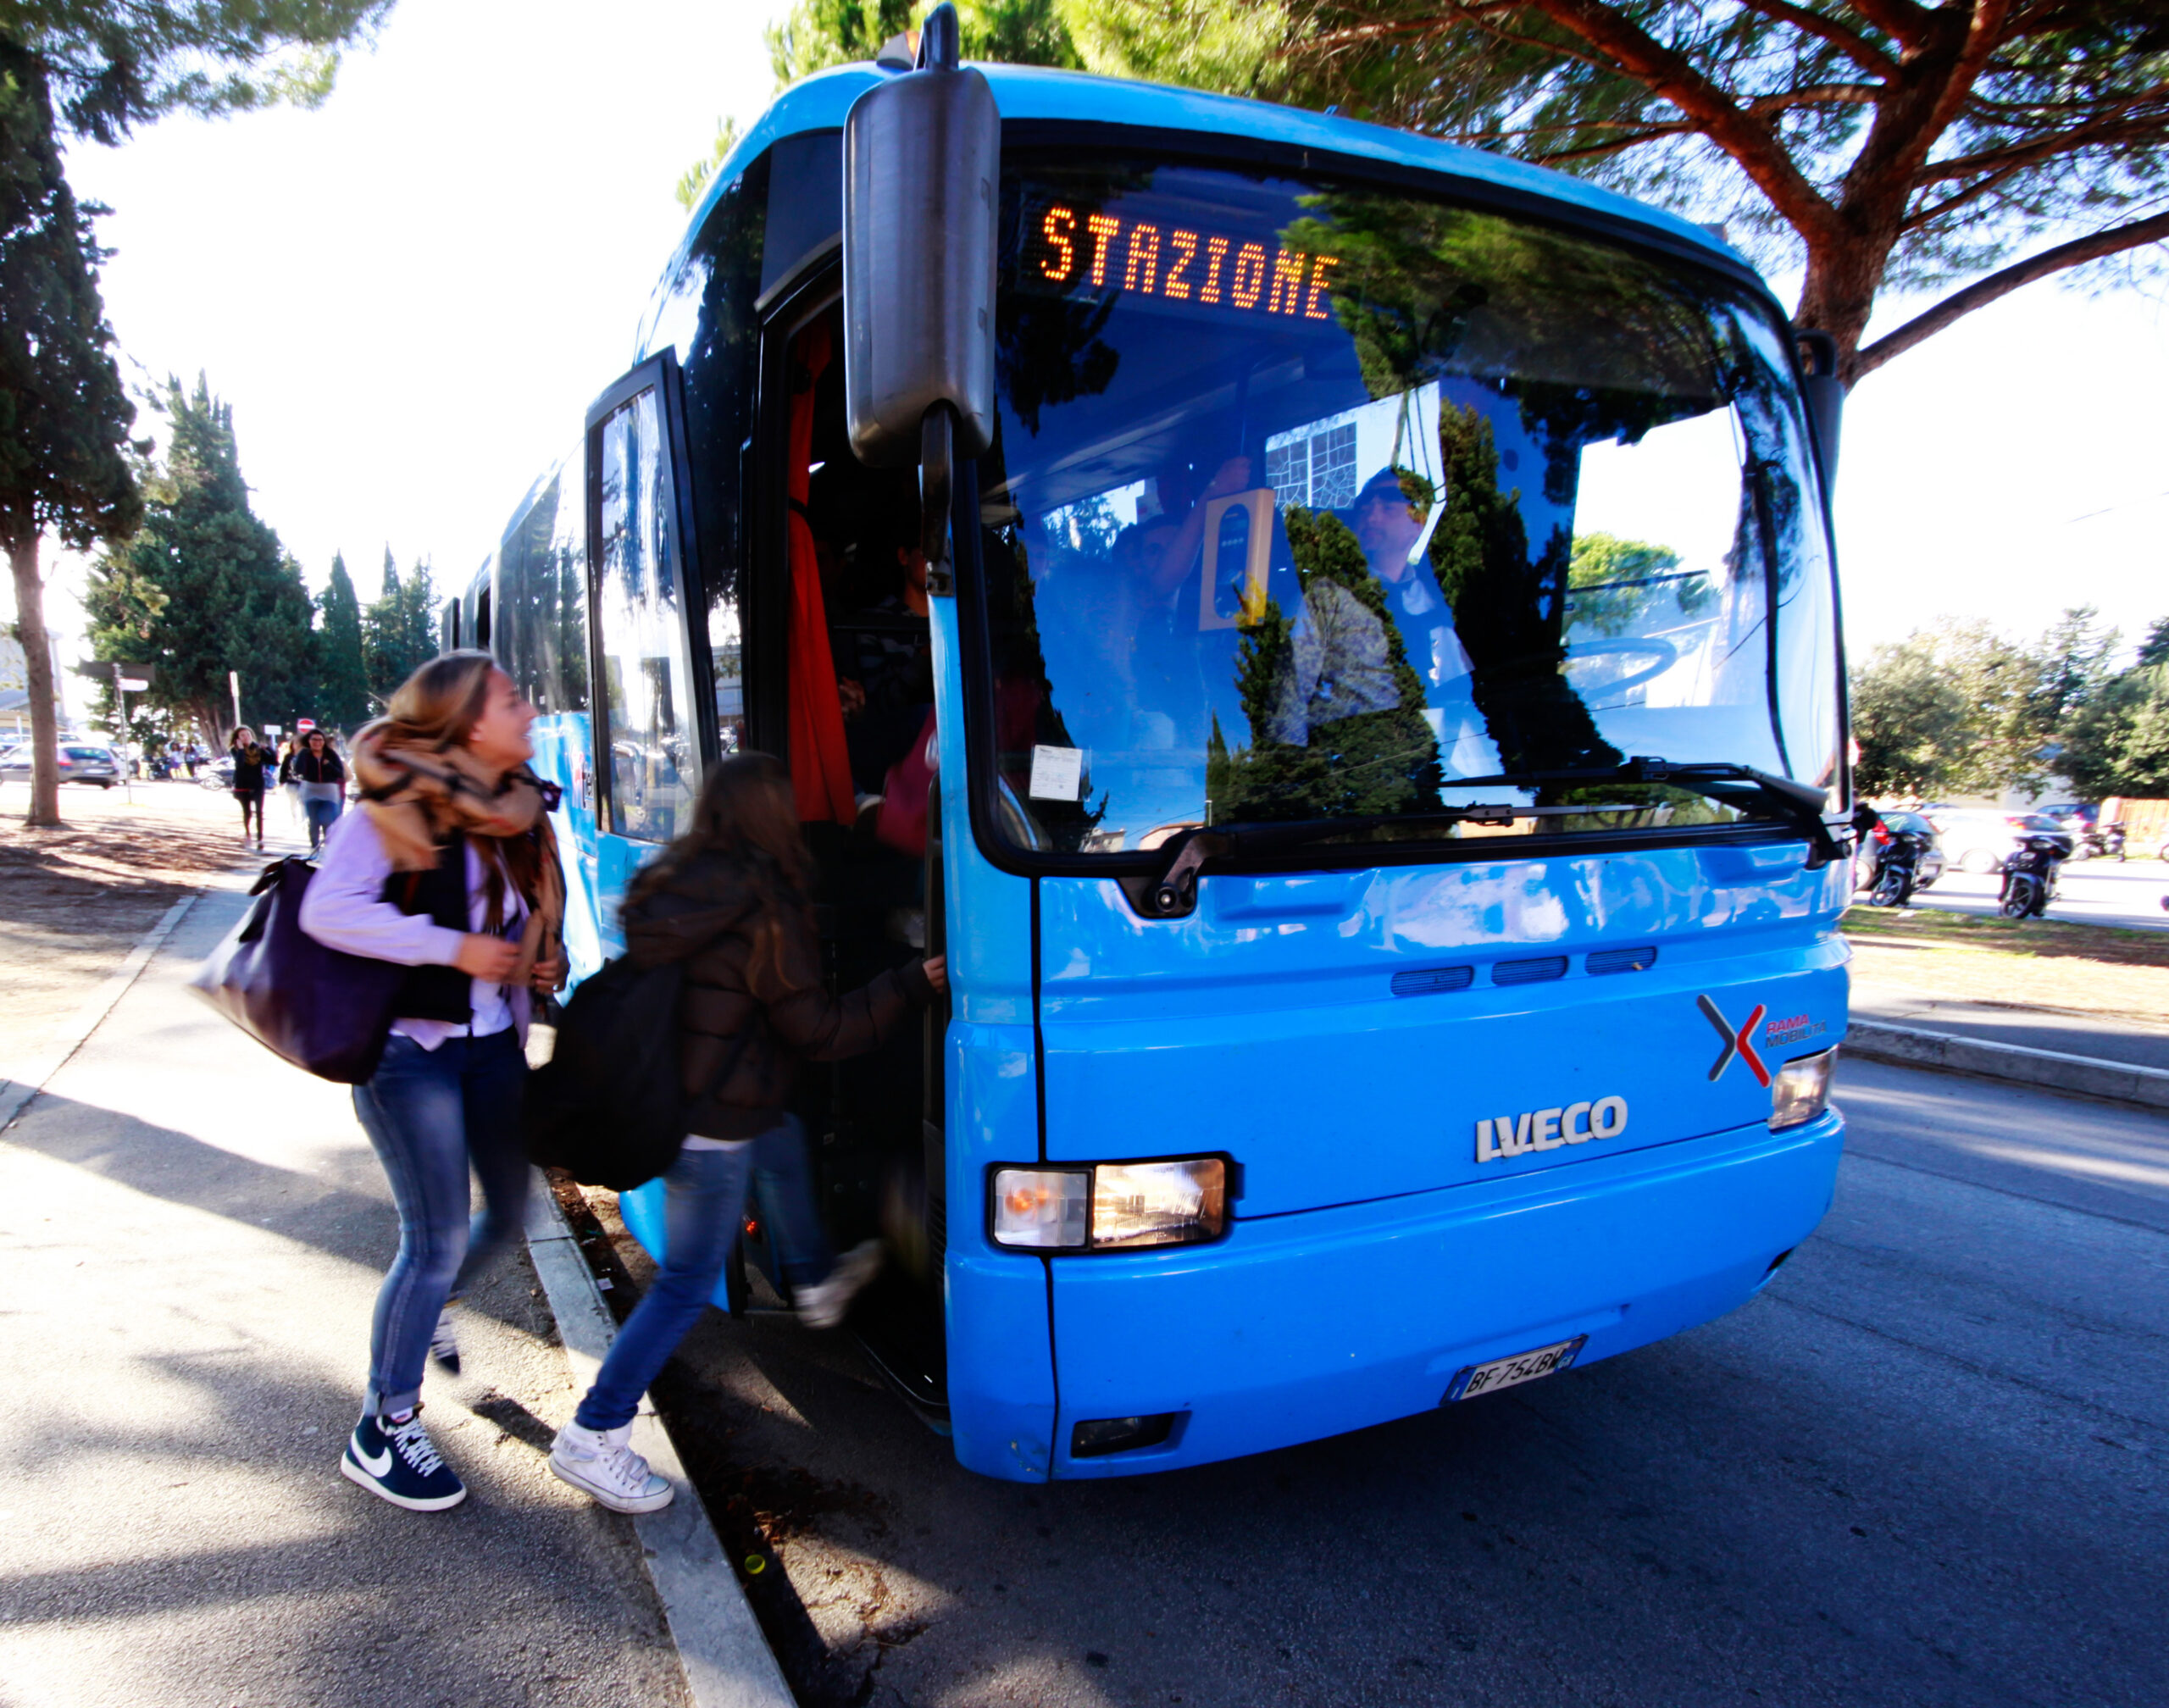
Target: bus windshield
x,y
1311,501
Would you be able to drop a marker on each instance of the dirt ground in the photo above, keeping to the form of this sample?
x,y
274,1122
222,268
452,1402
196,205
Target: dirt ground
x,y
74,901
2093,969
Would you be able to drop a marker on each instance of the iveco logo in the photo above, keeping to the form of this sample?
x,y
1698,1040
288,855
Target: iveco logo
x,y
1547,1129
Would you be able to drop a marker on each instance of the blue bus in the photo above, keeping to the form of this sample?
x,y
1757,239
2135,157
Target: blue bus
x,y
1333,634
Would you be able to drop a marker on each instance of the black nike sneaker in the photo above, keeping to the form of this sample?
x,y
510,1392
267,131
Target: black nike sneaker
x,y
393,1458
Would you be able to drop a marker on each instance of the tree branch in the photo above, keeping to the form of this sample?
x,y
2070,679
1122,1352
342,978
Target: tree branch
x,y
1984,33
1926,217
1982,291
1863,53
1594,150
1817,95
1742,135
2121,128
1902,20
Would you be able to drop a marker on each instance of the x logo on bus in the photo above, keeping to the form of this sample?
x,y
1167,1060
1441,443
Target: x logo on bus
x,y
1740,1043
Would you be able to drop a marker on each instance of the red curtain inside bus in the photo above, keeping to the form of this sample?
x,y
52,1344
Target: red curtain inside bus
x,y
820,762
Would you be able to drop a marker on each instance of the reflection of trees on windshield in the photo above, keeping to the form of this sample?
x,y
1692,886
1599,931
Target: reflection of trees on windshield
x,y
1510,608
1590,341
1335,708
1614,585
1422,287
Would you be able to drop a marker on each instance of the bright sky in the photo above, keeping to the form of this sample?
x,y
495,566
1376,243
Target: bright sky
x,y
409,296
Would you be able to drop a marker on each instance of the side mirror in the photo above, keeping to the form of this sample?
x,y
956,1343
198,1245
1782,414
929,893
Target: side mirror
x,y
922,158
1824,394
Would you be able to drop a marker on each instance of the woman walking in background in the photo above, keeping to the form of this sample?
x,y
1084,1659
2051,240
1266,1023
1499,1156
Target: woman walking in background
x,y
728,899
289,785
322,780
449,868
251,763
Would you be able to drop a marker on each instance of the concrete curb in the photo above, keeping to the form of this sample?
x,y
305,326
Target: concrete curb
x,y
16,1094
2052,1070
727,1660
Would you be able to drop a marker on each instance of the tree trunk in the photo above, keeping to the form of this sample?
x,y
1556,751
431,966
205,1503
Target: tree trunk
x,y
1838,296
37,666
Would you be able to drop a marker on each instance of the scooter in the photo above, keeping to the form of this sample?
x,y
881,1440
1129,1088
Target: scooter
x,y
2029,878
2106,842
1895,873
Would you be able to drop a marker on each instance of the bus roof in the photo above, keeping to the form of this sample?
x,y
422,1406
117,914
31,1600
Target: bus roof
x,y
1029,92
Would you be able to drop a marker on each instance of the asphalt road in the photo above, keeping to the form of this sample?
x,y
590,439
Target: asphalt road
x,y
1924,1466
2089,892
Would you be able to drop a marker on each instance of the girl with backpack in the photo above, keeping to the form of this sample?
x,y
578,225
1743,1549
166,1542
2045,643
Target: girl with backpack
x,y
729,900
450,869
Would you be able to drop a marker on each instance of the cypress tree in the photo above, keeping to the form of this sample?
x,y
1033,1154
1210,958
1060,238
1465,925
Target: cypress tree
x,y
64,415
204,587
342,672
399,628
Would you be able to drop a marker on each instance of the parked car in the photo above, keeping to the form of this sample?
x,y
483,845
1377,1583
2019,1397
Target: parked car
x,y
80,762
1980,839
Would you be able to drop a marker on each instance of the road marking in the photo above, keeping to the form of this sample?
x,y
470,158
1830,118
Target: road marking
x,y
15,1094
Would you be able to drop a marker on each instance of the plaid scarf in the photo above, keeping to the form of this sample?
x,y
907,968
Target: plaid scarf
x,y
414,796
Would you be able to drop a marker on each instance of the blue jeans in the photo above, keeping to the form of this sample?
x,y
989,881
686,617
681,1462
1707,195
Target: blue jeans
x,y
704,1203
321,815
429,1114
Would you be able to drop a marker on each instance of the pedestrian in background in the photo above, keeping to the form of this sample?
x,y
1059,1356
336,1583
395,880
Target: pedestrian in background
x,y
322,780
195,757
289,785
252,766
449,870
729,899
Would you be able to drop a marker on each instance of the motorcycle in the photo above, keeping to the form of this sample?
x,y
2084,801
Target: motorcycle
x,y
2029,878
2103,842
1895,873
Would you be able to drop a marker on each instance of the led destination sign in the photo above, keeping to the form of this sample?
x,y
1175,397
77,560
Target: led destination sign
x,y
1065,251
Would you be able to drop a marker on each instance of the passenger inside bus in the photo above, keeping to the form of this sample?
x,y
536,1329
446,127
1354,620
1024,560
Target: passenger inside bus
x,y
860,700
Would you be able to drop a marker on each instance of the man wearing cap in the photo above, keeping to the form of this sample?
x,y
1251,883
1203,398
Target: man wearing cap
x,y
1395,515
1390,523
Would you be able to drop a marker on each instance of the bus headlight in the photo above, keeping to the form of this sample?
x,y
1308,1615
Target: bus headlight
x,y
1111,1206
1801,1090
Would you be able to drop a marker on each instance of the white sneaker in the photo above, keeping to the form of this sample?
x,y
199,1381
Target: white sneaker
x,y
600,1462
823,1305
444,1342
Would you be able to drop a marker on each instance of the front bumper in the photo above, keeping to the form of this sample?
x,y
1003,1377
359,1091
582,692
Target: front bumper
x,y
1301,1325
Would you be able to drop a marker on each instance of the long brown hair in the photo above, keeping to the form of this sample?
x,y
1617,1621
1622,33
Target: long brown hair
x,y
436,709
748,814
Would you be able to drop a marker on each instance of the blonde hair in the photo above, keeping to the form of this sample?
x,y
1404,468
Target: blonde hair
x,y
438,706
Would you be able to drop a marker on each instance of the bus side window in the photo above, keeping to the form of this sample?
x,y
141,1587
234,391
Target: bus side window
x,y
540,614
649,722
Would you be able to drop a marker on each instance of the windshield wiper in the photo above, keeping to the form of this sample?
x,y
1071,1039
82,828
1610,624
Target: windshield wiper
x,y
1174,892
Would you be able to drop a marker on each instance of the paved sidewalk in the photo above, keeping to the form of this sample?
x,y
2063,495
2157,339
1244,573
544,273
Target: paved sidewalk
x,y
2106,1037
190,1239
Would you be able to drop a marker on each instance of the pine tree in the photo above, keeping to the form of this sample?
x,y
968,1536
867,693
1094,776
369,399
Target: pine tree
x,y
204,588
63,416
342,674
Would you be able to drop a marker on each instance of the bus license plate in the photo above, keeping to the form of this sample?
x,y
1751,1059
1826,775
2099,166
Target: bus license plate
x,y
1504,1372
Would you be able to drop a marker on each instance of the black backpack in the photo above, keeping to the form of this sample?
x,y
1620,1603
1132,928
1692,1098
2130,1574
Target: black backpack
x,y
607,1107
